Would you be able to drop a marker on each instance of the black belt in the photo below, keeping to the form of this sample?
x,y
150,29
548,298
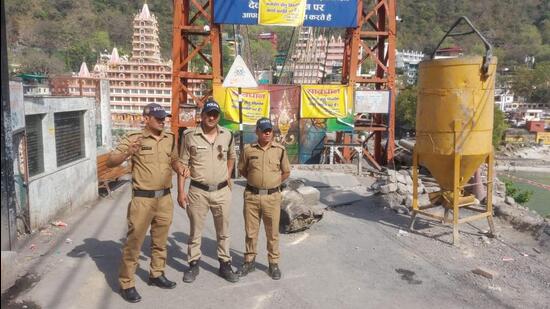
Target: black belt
x,y
209,188
261,191
151,193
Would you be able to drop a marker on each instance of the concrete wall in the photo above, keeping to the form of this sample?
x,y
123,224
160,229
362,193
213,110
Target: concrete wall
x,y
72,185
105,115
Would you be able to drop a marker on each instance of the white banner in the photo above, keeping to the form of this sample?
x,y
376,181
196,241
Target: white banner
x,y
372,101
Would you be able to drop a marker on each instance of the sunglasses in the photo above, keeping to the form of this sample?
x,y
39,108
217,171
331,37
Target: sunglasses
x,y
214,114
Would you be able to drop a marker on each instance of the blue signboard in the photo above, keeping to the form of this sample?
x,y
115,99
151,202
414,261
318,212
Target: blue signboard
x,y
319,13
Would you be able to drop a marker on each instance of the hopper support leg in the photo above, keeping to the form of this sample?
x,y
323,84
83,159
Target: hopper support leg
x,y
415,190
456,197
490,180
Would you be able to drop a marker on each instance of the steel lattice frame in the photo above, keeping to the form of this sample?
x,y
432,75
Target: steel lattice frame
x,y
194,35
376,27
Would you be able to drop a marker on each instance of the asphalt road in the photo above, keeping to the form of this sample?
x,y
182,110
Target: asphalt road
x,y
355,257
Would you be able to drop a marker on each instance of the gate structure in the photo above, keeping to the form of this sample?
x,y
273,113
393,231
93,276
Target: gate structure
x,y
195,35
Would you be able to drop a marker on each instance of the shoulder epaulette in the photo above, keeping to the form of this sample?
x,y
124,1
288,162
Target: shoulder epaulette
x,y
189,130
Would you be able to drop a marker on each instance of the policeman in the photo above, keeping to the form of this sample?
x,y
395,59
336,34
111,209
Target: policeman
x,y
265,165
209,153
153,158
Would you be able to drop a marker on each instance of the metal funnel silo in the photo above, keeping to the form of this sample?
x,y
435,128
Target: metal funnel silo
x,y
454,126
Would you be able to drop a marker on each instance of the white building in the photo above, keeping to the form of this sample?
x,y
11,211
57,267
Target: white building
x,y
407,61
504,99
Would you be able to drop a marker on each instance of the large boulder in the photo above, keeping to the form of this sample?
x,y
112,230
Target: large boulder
x,y
299,209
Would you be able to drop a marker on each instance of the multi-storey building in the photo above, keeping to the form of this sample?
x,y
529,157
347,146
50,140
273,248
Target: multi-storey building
x,y
317,59
407,61
134,81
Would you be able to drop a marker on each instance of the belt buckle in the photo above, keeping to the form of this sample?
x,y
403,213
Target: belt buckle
x,y
212,188
159,193
263,191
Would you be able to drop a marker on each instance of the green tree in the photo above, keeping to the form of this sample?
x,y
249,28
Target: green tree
x,y
499,126
36,61
405,115
533,83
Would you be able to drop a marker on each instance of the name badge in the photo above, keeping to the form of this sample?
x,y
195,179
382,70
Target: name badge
x,y
253,157
146,148
201,147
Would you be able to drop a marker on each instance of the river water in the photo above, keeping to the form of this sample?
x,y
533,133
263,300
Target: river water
x,y
540,200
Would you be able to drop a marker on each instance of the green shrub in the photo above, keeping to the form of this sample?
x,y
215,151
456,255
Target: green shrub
x,y
520,196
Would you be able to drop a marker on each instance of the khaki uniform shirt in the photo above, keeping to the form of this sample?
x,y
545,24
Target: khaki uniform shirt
x,y
263,168
207,161
151,165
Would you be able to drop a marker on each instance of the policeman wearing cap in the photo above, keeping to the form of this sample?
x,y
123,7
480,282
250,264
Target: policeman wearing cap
x,y
209,153
154,156
265,165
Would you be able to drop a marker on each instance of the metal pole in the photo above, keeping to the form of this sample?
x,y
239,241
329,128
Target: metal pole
x,y
8,206
241,135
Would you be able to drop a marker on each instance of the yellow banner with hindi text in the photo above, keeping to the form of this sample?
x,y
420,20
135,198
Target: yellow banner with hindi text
x,y
255,104
324,101
282,12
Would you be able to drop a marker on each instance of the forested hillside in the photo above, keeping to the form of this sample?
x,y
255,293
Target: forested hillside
x,y
56,35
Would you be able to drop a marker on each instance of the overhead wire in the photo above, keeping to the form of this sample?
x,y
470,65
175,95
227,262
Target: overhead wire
x,y
287,55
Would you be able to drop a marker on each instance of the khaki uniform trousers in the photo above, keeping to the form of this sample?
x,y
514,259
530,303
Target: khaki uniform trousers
x,y
142,213
268,209
218,202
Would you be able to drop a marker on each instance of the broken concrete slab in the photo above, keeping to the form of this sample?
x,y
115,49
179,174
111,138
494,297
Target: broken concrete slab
x,y
332,197
310,195
319,180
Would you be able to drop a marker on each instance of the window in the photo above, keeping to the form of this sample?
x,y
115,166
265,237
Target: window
x,y
69,136
35,146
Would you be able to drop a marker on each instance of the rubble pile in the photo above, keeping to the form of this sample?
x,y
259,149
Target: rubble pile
x,y
396,188
300,207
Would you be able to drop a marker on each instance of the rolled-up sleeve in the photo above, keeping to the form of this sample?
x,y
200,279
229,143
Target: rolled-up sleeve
x,y
231,153
184,151
243,163
285,163
174,155
123,145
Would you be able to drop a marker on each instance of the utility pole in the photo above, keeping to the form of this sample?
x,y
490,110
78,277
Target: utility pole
x,y
8,185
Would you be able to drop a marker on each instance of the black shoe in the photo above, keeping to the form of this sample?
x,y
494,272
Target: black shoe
x,y
274,271
227,273
130,295
162,282
192,272
247,268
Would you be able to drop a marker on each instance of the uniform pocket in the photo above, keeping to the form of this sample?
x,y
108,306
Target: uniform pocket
x,y
274,165
147,155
